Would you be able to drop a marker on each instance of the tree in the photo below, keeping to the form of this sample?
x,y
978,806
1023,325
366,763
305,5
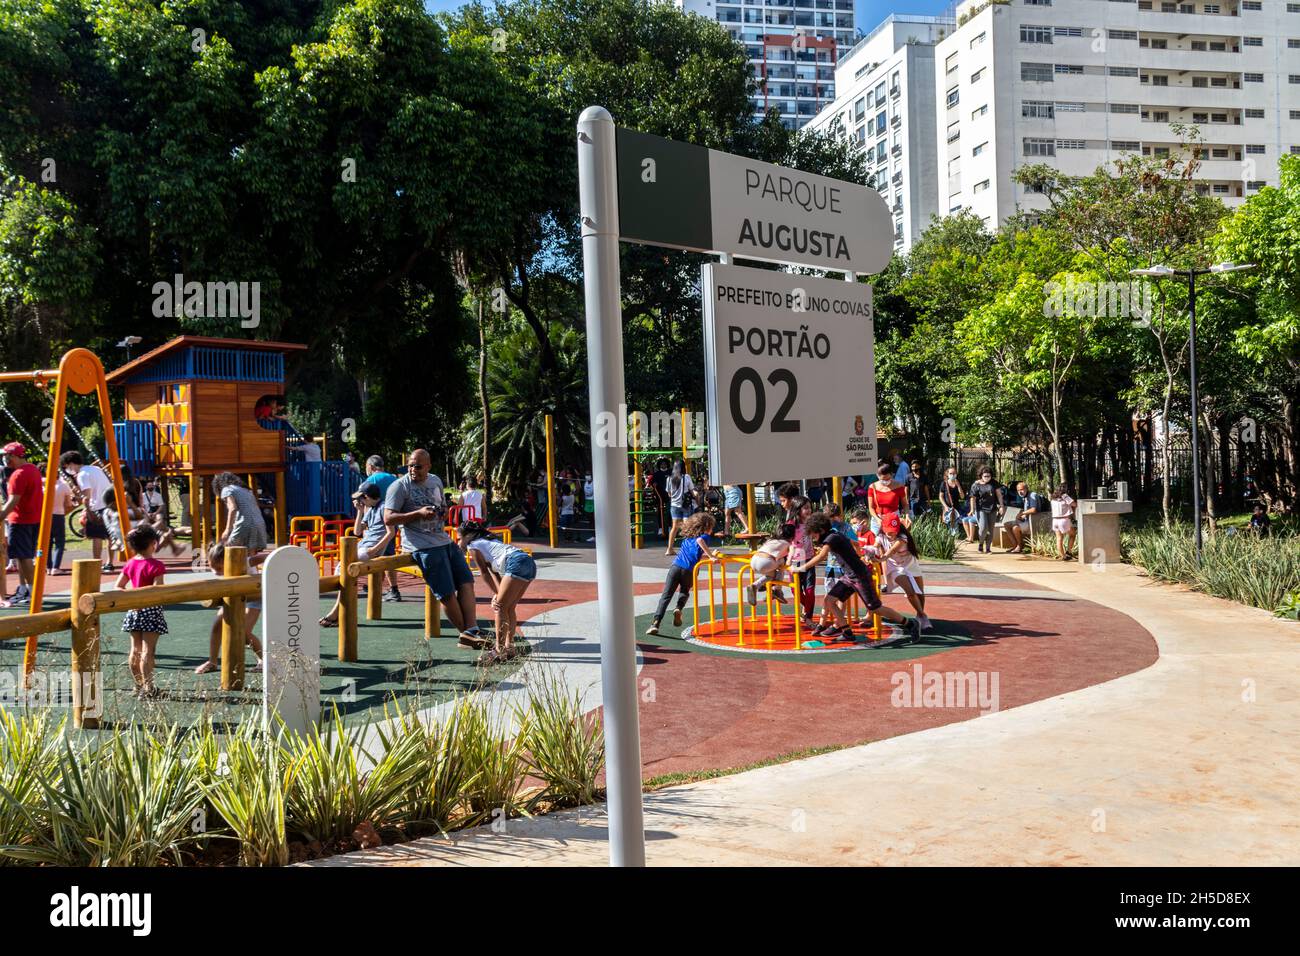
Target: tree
x,y
1145,211
1265,230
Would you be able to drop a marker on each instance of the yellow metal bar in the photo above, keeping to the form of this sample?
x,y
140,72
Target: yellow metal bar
x,y
685,440
550,481
636,481
749,513
770,636
836,488
798,614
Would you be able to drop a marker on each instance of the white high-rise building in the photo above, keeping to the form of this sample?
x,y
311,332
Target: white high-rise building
x,y
1078,83
793,46
886,103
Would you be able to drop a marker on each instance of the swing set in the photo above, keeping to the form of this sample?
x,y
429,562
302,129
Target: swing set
x,y
80,372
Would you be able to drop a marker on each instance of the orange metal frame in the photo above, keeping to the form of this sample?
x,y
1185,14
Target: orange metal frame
x,y
81,372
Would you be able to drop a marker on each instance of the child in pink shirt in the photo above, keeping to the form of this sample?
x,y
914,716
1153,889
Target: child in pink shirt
x,y
147,623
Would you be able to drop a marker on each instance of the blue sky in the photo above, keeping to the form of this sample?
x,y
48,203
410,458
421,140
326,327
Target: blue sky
x,y
869,12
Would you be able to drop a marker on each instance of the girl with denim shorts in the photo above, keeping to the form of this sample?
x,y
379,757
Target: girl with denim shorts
x,y
508,571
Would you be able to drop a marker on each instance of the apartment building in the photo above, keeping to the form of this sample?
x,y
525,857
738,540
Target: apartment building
x,y
793,46
1079,83
886,104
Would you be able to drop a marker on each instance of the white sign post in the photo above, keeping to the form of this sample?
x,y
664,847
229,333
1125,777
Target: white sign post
x,y
291,639
790,375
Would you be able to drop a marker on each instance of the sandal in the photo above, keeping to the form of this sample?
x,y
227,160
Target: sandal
x,y
472,642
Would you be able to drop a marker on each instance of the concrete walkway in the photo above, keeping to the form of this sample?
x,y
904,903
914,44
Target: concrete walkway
x,y
1192,761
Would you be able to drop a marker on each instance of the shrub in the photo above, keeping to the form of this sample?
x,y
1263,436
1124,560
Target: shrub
x,y
934,538
246,783
1259,572
566,749
130,801
29,754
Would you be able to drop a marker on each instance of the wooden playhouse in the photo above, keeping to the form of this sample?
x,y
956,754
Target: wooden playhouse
x,y
191,412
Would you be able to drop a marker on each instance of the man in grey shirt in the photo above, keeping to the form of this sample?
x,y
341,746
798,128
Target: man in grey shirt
x,y
415,504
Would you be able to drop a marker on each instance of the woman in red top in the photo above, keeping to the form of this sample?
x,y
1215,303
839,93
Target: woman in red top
x,y
886,495
147,623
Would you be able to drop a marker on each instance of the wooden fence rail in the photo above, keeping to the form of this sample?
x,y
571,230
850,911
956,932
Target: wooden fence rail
x,y
231,593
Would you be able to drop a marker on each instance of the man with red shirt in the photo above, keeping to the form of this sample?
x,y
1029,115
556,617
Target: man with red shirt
x,y
22,511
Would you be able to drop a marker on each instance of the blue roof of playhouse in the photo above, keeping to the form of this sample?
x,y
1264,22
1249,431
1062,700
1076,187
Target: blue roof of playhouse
x,y
202,357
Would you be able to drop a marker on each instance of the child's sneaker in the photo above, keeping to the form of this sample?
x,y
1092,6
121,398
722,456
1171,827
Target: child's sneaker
x,y
653,628
925,622
843,635
751,594
821,630
677,617
393,596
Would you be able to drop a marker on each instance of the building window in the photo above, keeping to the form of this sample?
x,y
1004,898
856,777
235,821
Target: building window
x,y
859,108
1219,81
1252,41
1161,116
979,39
1293,44
1218,117
1032,34
980,186
1067,68
953,96
1037,109
880,123
1220,188
1122,70
1123,107
1159,79
1160,44
1200,117
954,132
1125,145
1253,149
1040,147
1200,82
1071,144
979,111
1253,77
950,63
976,76
1069,107
1293,78
979,149
1219,152
1122,34
1252,5
1295,114
1255,185
1068,31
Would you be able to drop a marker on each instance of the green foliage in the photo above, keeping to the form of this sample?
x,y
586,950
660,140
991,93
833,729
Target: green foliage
x,y
565,747
130,801
933,537
142,797
1259,572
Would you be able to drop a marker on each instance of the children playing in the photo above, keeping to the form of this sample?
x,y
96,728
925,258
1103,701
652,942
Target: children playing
x,y
144,624
508,571
902,569
694,549
1062,525
375,537
856,579
769,562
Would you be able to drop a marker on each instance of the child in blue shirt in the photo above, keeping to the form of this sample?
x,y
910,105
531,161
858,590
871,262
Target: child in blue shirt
x,y
694,549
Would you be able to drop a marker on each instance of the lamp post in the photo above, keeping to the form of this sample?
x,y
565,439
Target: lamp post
x,y
127,342
1165,272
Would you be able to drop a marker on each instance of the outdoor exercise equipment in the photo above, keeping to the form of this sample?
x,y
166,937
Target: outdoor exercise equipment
x,y
80,372
191,412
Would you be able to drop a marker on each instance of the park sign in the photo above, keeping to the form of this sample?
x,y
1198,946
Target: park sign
x,y
690,197
291,639
790,372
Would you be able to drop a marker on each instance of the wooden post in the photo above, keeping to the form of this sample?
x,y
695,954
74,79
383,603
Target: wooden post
x,y
375,597
432,615
347,599
281,511
85,649
203,514
233,636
